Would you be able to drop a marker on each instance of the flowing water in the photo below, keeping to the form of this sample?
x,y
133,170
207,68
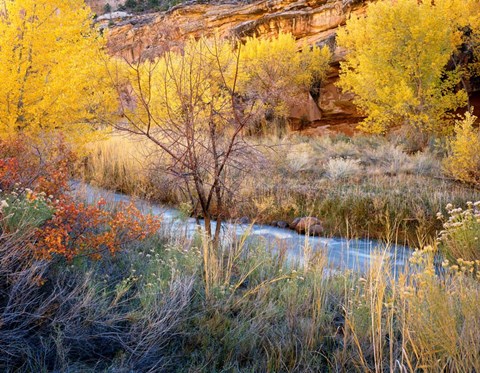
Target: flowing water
x,y
341,253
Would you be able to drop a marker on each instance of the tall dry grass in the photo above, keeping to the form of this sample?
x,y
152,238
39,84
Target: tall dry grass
x,y
119,163
175,304
130,166
81,316
368,181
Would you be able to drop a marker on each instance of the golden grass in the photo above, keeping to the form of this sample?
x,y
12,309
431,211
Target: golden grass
x,y
372,191
239,308
417,322
242,308
413,321
119,163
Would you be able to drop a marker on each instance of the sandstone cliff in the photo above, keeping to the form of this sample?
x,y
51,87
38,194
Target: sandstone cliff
x,y
314,21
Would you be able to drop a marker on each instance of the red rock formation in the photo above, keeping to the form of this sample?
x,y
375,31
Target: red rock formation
x,y
314,21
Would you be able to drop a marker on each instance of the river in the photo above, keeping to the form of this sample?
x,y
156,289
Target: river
x,y
341,253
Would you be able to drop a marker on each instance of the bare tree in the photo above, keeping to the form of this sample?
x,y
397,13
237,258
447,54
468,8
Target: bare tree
x,y
186,103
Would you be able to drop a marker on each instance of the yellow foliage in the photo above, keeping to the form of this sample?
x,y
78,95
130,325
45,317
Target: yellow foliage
x,y
466,16
268,73
179,89
274,73
396,62
463,163
52,67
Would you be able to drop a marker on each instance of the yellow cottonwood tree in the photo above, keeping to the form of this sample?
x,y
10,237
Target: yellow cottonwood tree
x,y
160,88
274,73
52,68
396,62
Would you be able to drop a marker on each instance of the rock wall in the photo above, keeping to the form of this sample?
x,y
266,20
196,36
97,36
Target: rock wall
x,y
313,21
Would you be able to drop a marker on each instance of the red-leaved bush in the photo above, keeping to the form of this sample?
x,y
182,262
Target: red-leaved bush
x,y
32,175
79,229
40,166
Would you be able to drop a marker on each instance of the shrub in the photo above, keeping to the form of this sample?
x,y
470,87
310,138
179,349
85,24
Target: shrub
x,y
389,158
84,316
301,157
425,163
25,211
463,161
43,167
78,229
461,235
335,148
130,4
339,168
35,198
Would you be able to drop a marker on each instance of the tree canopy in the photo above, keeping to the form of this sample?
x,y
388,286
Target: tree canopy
x,y
274,74
52,67
397,62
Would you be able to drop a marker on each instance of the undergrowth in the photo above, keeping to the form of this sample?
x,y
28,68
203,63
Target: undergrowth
x,y
115,294
358,187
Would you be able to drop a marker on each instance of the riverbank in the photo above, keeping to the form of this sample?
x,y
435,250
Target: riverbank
x,y
167,305
340,254
89,287
358,187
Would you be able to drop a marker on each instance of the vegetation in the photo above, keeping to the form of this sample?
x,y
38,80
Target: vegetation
x,y
397,63
186,108
88,286
34,188
463,161
359,187
148,5
195,107
151,307
274,76
107,8
53,69
460,235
